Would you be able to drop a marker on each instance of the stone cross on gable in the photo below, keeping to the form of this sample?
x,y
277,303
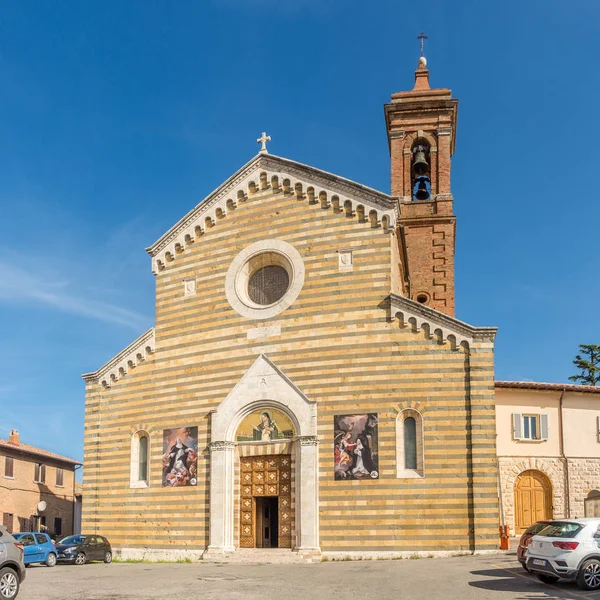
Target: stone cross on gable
x,y
263,139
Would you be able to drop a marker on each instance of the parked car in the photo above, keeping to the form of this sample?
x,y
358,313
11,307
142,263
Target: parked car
x,y
526,540
567,549
38,548
80,549
12,567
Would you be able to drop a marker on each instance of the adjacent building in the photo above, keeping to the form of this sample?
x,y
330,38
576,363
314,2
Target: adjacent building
x,y
37,488
548,443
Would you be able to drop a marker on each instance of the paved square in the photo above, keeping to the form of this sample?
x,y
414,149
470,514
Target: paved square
x,y
463,578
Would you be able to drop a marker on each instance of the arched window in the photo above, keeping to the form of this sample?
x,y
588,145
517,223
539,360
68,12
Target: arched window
x,y
409,444
143,459
140,451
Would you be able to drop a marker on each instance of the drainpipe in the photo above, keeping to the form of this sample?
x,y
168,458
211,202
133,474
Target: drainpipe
x,y
74,499
562,454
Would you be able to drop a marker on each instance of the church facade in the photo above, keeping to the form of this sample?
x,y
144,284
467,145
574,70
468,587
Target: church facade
x,y
306,385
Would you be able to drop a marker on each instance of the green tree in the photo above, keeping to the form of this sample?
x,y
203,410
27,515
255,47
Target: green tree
x,y
590,368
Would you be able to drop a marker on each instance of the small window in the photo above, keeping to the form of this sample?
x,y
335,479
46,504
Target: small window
x,y
59,477
40,473
9,467
410,443
530,427
143,471
40,538
58,526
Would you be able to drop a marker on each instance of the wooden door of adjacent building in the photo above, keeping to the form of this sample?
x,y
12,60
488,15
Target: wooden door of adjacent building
x,y
533,499
266,484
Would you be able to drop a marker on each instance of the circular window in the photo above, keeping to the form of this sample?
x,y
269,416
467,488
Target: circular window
x,y
268,285
264,279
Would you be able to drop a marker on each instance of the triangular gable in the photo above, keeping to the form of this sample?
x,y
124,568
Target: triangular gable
x,y
281,174
263,385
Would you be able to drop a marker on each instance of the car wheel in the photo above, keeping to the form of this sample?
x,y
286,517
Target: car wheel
x,y
107,557
9,584
51,560
547,578
588,577
525,567
80,559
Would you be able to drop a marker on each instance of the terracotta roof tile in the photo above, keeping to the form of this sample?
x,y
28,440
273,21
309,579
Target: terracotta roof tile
x,y
37,451
540,385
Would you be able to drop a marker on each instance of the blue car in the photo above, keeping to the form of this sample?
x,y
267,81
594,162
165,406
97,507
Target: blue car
x,y
38,548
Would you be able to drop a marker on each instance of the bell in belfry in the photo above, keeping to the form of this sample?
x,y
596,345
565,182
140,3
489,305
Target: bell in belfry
x,y
420,164
422,192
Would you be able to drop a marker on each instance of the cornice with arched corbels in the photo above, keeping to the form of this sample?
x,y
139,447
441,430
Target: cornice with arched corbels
x,y
135,354
438,326
268,172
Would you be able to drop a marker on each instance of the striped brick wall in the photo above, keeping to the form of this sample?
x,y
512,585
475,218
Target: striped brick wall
x,y
343,348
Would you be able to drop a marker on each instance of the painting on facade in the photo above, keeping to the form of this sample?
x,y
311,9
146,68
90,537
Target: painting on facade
x,y
265,425
180,456
356,447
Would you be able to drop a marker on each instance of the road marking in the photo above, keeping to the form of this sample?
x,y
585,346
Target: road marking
x,y
575,594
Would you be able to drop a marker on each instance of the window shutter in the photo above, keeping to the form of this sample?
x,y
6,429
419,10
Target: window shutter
x,y
544,426
43,479
517,426
598,428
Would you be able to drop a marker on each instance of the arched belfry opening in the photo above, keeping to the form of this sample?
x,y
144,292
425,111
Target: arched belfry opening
x,y
264,465
421,170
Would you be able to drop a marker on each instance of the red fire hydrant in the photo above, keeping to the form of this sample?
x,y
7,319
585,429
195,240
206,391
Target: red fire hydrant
x,y
504,537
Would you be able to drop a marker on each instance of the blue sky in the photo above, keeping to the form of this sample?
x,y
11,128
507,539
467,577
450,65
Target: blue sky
x,y
118,117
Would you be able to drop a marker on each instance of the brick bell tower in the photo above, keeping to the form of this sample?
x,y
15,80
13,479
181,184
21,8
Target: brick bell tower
x,y
421,128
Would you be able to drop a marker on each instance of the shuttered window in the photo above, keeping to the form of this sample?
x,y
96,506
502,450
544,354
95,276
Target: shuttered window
x,y
40,473
9,467
59,477
530,427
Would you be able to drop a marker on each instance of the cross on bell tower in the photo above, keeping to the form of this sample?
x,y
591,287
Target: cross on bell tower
x,y
422,37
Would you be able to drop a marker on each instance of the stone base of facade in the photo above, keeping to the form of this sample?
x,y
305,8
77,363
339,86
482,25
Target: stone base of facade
x,y
405,554
582,474
158,554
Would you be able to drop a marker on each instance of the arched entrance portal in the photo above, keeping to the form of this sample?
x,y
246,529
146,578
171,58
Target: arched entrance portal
x,y
263,387
533,499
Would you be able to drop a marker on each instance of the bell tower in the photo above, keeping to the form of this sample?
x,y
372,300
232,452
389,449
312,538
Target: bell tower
x,y
421,128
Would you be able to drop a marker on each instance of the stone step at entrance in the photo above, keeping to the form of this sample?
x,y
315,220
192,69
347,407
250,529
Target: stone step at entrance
x,y
270,556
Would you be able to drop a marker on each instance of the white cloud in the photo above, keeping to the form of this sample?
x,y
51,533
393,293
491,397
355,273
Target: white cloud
x,y
40,287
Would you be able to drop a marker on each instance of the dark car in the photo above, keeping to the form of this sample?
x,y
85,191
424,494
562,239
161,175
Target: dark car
x,y
79,549
526,540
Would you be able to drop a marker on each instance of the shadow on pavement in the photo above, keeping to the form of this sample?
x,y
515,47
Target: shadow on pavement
x,y
516,580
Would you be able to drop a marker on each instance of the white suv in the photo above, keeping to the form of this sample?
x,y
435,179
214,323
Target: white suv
x,y
567,549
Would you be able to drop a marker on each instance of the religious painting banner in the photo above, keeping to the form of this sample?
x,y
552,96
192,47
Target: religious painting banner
x,y
180,457
265,425
356,453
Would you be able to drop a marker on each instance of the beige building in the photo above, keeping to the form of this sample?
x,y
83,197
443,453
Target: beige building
x,y
36,488
306,385
548,443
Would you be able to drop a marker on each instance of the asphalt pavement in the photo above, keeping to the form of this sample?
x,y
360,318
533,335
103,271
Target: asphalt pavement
x,y
490,577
